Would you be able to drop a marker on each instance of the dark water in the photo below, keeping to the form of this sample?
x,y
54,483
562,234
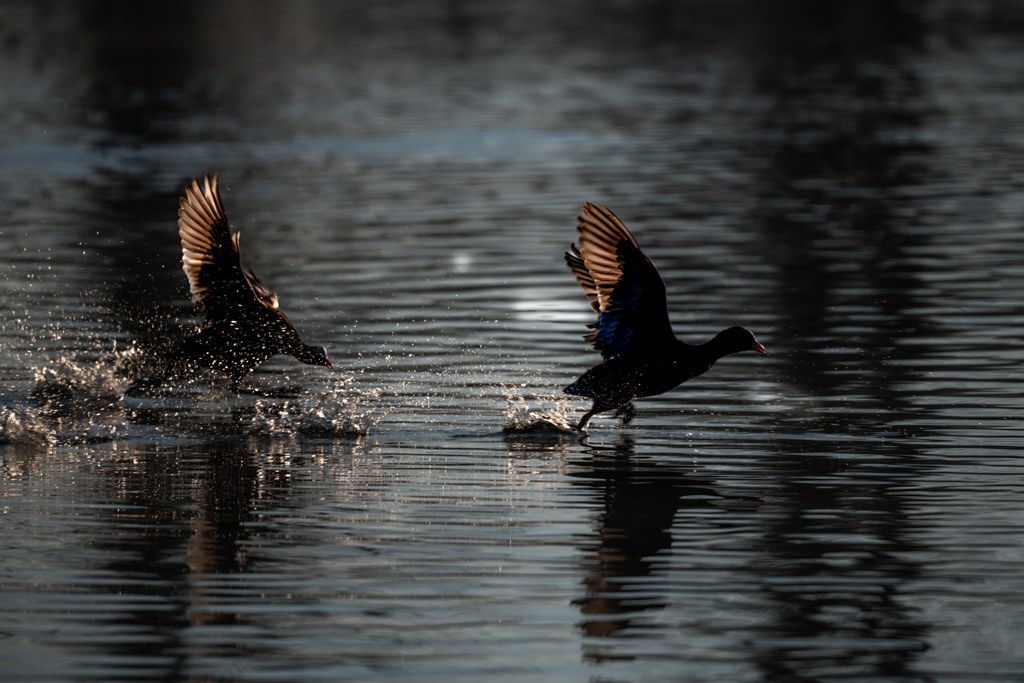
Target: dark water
x,y
844,178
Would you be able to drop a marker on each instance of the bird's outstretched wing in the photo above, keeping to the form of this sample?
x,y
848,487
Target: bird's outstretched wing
x,y
211,256
622,284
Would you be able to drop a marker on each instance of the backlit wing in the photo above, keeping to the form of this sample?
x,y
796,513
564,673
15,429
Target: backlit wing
x,y
622,284
211,256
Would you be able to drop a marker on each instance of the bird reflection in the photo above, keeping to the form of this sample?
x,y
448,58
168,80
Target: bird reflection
x,y
181,524
222,510
640,499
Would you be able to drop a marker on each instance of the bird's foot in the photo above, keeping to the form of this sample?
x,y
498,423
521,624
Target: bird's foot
x,y
626,412
581,426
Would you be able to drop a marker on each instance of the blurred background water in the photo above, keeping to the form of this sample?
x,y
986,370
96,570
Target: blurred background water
x,y
844,178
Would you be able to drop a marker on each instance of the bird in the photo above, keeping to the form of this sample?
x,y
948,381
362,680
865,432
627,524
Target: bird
x,y
641,356
242,325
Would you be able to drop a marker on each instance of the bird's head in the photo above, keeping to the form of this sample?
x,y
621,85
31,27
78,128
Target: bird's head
x,y
736,339
314,355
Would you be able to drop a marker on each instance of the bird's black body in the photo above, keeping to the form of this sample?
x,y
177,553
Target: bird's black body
x,y
642,357
242,325
230,347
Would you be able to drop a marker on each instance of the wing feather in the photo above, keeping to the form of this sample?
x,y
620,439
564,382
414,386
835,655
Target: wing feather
x,y
622,284
211,256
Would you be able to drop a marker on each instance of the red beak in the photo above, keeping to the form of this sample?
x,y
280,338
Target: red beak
x,y
756,346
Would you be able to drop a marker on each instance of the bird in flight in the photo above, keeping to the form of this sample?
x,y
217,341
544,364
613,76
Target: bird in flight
x,y
641,355
242,325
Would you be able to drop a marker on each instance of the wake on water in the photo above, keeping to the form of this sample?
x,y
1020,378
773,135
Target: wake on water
x,y
72,399
91,396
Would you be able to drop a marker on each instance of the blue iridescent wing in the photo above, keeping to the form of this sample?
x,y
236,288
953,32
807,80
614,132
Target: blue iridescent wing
x,y
622,284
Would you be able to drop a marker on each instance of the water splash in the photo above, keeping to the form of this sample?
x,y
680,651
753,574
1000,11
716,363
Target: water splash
x,y
24,425
521,418
338,413
67,388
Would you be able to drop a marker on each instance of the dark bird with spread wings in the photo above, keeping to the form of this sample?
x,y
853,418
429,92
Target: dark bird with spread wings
x,y
642,357
242,324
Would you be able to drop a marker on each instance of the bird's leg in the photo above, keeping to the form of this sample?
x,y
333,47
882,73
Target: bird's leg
x,y
627,412
582,424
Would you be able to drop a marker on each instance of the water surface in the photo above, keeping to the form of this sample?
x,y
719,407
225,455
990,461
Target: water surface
x,y
843,179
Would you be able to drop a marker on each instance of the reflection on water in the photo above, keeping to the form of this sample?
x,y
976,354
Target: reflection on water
x,y
837,578
841,177
838,554
640,504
